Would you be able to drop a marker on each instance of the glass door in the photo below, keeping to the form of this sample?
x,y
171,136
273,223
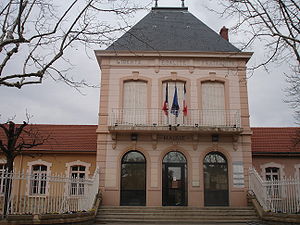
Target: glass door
x,y
215,180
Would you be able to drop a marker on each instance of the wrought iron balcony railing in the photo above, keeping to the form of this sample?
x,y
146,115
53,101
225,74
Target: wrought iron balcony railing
x,y
158,117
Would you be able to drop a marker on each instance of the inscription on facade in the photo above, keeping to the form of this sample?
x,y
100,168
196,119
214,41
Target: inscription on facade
x,y
171,62
173,138
129,62
177,62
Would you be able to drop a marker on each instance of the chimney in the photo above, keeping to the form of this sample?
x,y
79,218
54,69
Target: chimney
x,y
224,33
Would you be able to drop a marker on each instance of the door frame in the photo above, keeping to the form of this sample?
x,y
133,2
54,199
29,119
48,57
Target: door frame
x,y
227,200
165,184
145,178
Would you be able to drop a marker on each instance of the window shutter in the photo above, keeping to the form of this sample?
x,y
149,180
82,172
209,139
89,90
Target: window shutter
x,y
213,104
135,102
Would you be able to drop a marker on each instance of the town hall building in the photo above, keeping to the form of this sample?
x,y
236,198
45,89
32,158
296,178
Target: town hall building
x,y
173,119
173,130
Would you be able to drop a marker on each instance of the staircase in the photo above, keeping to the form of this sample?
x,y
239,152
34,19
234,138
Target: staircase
x,y
175,215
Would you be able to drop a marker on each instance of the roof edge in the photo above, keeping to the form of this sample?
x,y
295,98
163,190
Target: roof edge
x,y
171,8
234,55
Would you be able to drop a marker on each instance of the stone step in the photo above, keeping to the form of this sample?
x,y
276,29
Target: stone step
x,y
163,209
176,207
170,221
248,213
176,215
249,218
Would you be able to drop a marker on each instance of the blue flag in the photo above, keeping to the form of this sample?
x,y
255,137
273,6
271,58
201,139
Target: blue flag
x,y
175,105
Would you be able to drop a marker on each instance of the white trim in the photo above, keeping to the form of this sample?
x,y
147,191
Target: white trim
x,y
272,164
3,161
297,171
29,171
79,163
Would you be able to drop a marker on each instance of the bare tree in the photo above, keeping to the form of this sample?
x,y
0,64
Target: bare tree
x,y
275,24
16,139
35,35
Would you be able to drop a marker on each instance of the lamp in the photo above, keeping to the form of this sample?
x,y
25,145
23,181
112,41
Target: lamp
x,y
134,137
215,138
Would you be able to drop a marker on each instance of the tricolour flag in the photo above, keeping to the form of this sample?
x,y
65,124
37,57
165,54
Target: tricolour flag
x,y
185,109
166,104
175,105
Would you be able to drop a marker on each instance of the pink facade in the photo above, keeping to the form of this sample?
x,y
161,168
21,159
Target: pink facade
x,y
152,154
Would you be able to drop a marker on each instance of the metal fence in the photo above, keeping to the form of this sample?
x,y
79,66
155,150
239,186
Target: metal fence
x,y
158,117
281,196
42,193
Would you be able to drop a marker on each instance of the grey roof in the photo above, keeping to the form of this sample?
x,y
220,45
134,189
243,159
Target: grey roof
x,y
171,29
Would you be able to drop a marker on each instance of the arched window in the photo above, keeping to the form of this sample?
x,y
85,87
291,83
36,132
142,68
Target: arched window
x,y
174,179
135,102
213,103
168,93
133,179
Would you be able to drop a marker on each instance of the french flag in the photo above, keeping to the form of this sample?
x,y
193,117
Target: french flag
x,y
185,109
175,106
166,104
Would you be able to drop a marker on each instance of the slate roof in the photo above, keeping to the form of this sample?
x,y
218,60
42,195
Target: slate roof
x,y
267,140
66,138
171,29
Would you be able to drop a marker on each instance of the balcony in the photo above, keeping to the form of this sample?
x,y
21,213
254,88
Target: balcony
x,y
133,120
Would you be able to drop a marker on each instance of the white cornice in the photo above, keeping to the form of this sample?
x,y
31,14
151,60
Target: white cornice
x,y
231,55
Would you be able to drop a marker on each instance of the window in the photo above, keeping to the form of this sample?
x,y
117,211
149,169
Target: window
x,y
272,173
213,103
171,118
77,176
38,180
2,176
135,102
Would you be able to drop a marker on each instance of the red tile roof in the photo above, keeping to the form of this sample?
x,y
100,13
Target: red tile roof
x,y
275,140
71,138
76,138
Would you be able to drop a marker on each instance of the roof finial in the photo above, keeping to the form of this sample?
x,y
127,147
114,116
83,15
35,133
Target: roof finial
x,y
182,3
156,4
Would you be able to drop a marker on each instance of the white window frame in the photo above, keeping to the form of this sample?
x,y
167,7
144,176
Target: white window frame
x,y
2,162
297,171
30,172
68,172
272,164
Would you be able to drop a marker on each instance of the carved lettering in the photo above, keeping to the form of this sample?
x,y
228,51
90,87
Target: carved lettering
x,y
173,138
129,62
171,62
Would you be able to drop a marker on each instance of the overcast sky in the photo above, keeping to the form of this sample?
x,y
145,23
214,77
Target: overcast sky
x,y
56,103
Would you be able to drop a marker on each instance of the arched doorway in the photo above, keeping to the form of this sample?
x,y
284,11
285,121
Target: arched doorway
x,y
215,180
174,179
133,179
